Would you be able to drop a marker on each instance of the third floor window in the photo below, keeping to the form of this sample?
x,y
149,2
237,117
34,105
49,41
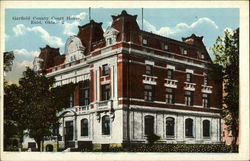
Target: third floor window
x,y
189,77
149,69
170,74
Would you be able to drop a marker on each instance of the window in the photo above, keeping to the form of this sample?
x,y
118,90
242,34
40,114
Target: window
x,y
189,77
205,80
149,125
148,93
149,70
170,126
166,47
105,70
202,56
84,93
205,100
206,128
185,52
188,98
69,130
170,95
170,74
109,41
145,41
105,125
189,128
71,100
106,92
84,127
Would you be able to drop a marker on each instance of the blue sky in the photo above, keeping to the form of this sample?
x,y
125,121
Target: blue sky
x,y
25,38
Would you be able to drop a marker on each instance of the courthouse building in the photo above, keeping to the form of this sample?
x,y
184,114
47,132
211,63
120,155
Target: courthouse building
x,y
131,84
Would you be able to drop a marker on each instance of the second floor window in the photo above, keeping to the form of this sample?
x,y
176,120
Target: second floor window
x,y
149,69
169,95
105,70
205,100
170,74
106,92
84,93
189,77
148,93
188,98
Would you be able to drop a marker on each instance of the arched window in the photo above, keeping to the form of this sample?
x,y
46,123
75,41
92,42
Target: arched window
x,y
170,126
105,125
149,125
84,127
206,128
189,128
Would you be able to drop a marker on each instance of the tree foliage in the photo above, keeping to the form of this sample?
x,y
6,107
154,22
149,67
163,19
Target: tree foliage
x,y
33,105
41,103
226,51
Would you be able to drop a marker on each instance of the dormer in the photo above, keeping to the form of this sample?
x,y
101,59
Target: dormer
x,y
110,36
37,64
74,50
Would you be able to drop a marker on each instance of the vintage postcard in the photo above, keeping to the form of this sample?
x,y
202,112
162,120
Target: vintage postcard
x,y
125,80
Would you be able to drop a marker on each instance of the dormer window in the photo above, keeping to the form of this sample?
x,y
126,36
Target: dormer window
x,y
109,41
74,49
110,36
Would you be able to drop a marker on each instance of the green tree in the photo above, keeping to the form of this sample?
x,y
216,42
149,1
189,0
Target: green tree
x,y
13,125
226,51
41,103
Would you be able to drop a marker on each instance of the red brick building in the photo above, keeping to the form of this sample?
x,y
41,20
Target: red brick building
x,y
132,83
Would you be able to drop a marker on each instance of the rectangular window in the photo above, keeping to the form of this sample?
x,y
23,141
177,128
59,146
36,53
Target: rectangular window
x,y
202,56
205,100
105,70
106,92
185,52
109,41
149,70
71,100
170,95
145,41
148,93
170,74
189,77
205,80
84,93
166,47
188,98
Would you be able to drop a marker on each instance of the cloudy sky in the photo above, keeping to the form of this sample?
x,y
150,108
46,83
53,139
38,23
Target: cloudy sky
x,y
25,38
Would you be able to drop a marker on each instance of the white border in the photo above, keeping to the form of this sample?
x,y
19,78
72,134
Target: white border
x,y
244,81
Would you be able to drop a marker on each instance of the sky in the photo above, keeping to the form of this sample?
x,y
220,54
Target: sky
x,y
25,38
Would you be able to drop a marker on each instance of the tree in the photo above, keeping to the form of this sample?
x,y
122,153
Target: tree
x,y
13,125
41,103
226,51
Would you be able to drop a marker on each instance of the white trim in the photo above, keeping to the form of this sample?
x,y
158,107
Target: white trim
x,y
149,62
170,67
190,71
179,111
